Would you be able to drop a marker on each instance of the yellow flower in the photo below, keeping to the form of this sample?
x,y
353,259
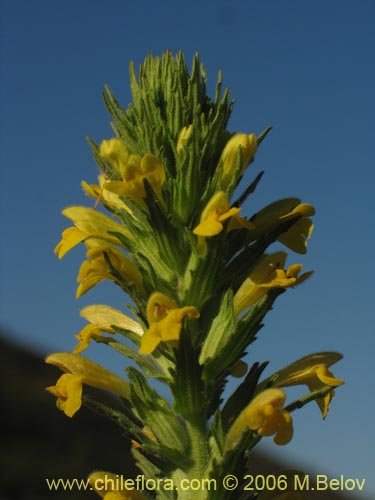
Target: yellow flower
x,y
312,371
115,151
112,486
68,389
102,318
297,235
133,170
139,169
265,414
183,138
88,224
165,322
267,274
215,213
96,269
229,157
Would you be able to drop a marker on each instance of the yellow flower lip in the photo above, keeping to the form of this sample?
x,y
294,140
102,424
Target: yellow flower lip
x,y
165,321
68,390
215,213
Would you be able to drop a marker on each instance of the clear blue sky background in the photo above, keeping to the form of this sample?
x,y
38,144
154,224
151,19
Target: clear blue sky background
x,y
307,69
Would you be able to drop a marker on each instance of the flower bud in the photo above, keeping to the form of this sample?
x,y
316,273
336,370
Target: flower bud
x,y
229,157
183,138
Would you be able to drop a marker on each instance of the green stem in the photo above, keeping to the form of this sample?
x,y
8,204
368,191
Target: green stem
x,y
301,402
199,447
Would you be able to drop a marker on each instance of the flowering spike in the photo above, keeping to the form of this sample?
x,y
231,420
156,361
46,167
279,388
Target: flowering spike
x,y
199,279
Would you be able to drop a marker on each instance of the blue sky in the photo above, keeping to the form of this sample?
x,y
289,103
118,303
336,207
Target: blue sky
x,y
306,68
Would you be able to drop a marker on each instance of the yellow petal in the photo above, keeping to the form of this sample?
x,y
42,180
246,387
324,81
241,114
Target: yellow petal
x,y
91,190
229,213
150,340
183,138
115,151
297,235
261,278
264,270
137,170
121,188
92,374
302,209
208,228
97,269
265,415
247,295
103,315
96,224
84,337
216,211
158,306
70,238
327,377
90,281
68,390
171,324
102,319
229,157
306,368
91,267
284,432
165,321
